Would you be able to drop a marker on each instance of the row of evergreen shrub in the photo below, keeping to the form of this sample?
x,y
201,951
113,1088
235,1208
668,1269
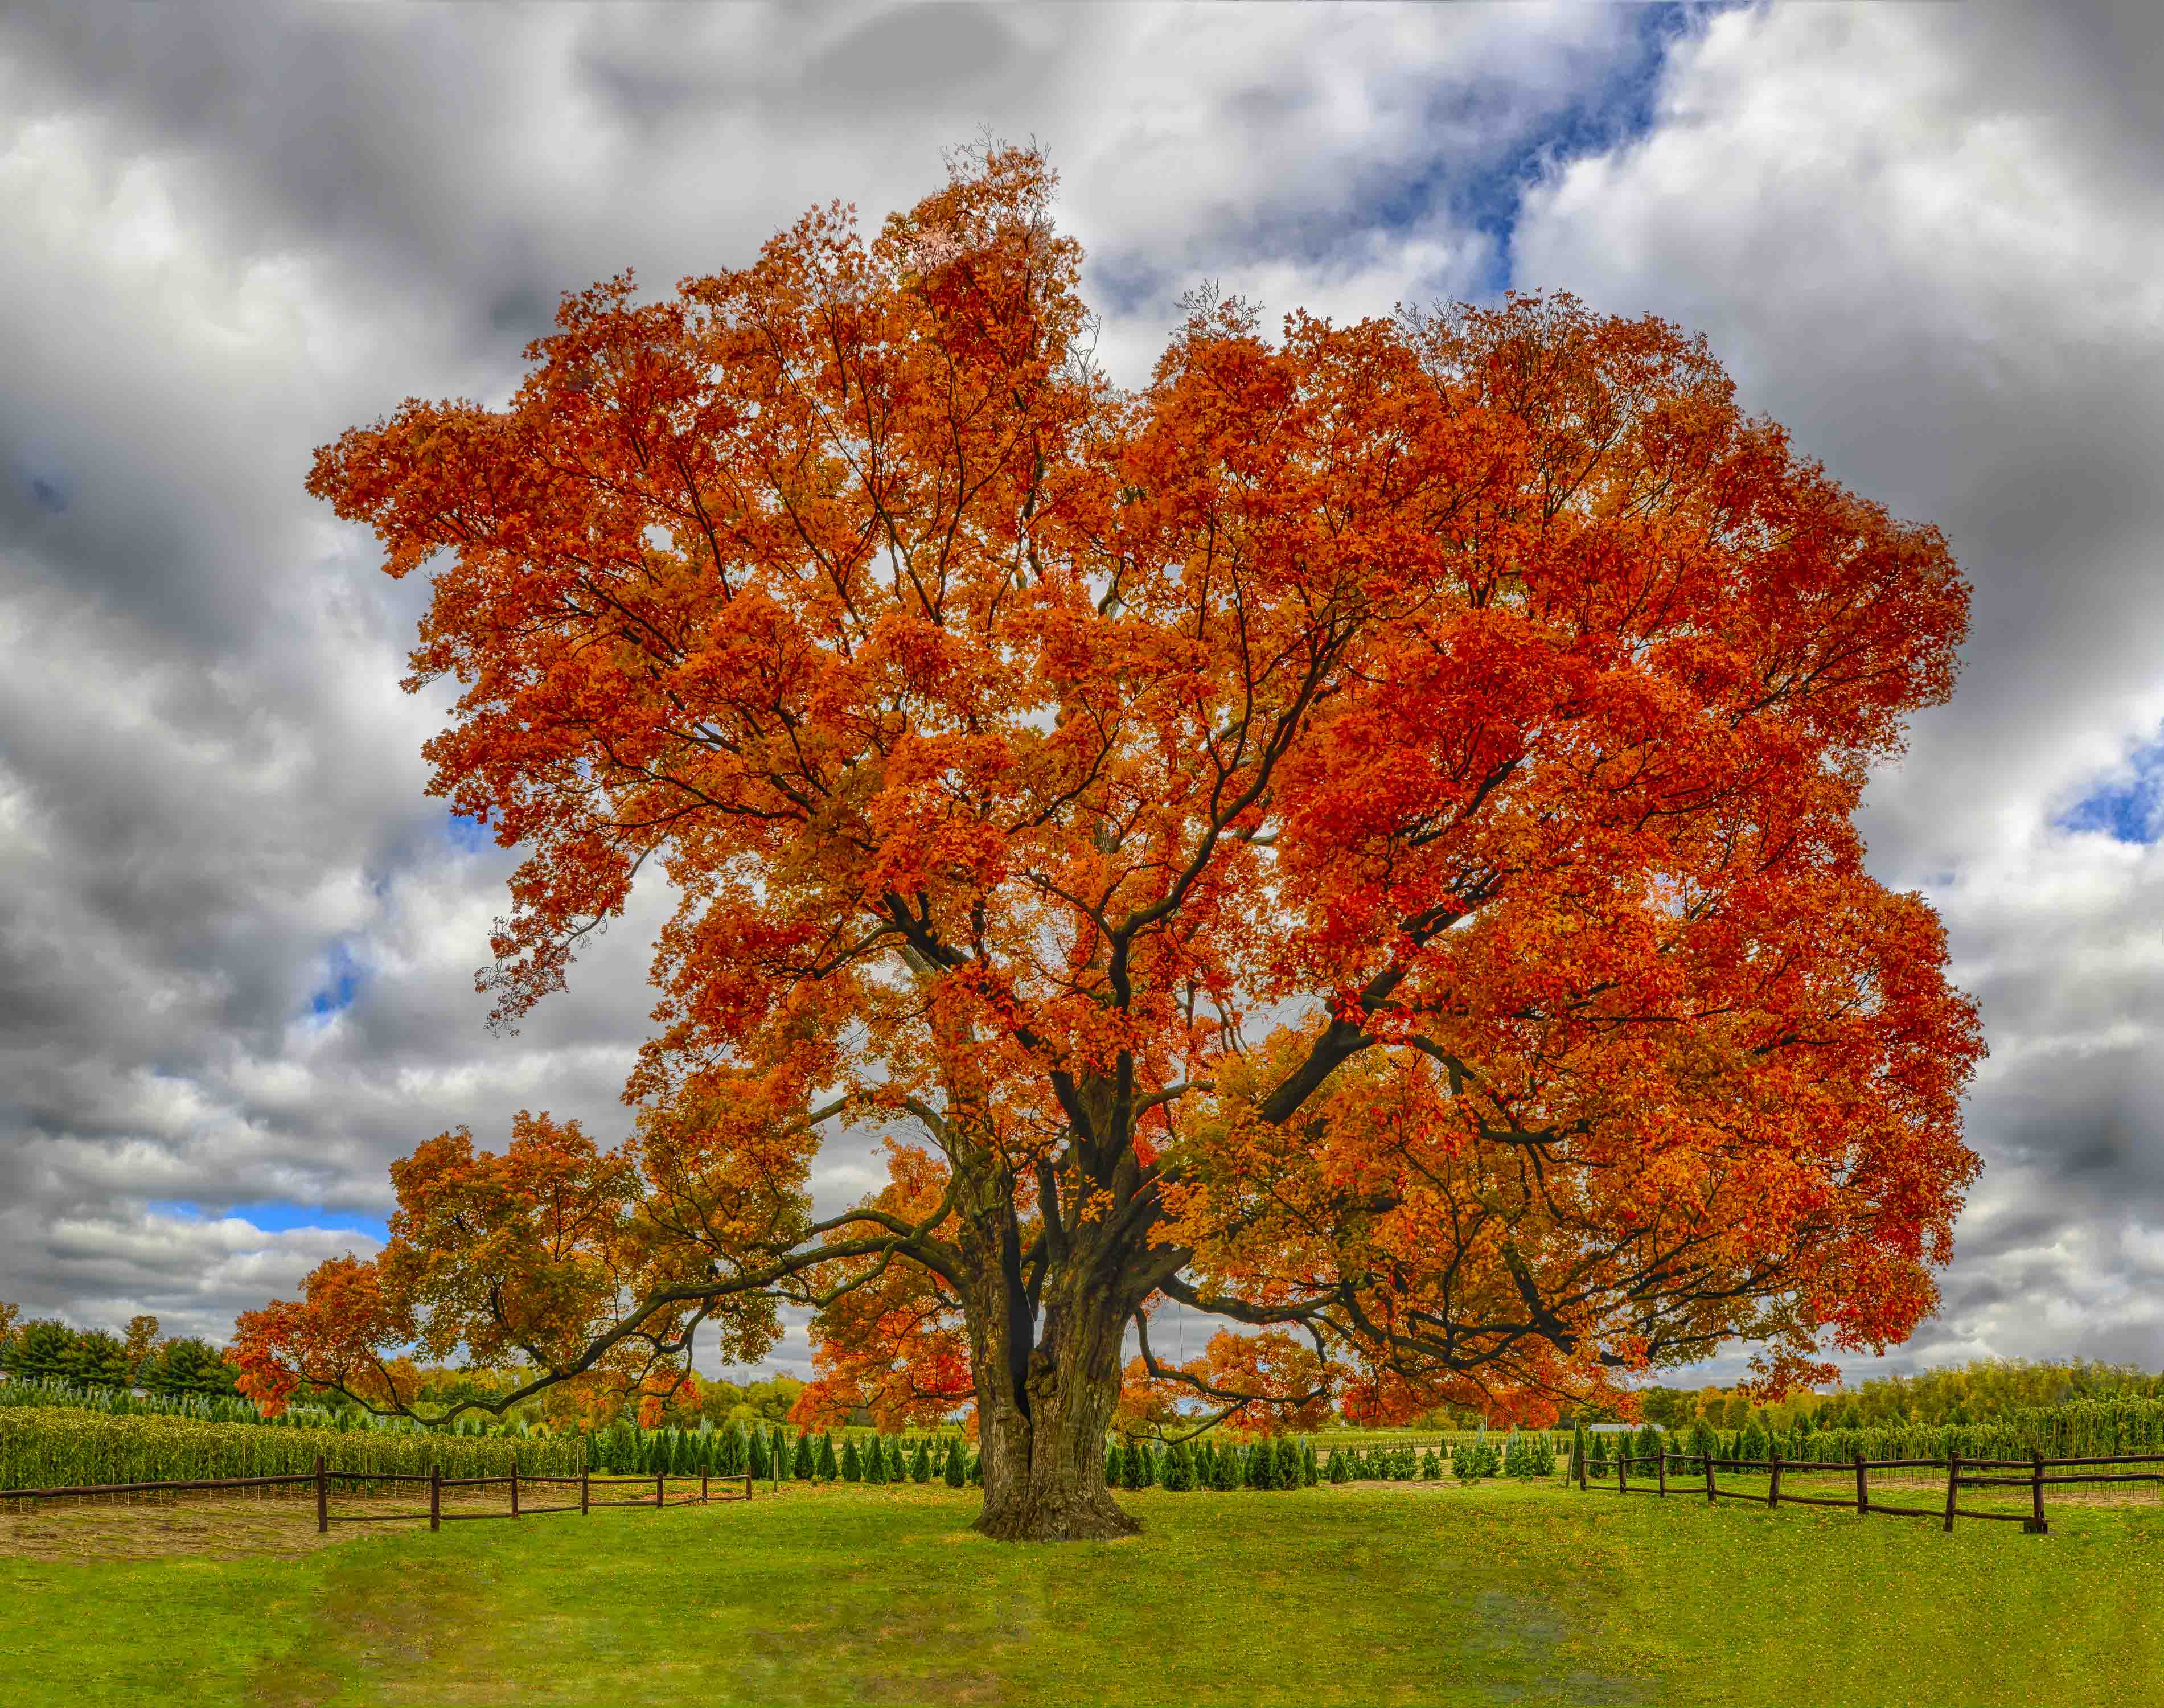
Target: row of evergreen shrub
x,y
1279,1462
1521,1455
2082,1428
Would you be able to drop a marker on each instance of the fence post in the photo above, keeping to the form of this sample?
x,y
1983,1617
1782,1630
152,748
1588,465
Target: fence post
x,y
2036,1525
323,1497
659,1477
1661,1469
1862,1490
702,1486
1708,1458
1773,1488
435,1498
1581,1468
514,1488
586,1473
747,1485
1622,1472
1953,1476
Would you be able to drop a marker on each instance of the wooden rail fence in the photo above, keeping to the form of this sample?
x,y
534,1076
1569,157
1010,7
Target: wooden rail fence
x,y
322,1479
2041,1474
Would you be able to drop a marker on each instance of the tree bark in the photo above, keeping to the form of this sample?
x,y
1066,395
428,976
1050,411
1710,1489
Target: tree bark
x,y
1058,1493
1046,1378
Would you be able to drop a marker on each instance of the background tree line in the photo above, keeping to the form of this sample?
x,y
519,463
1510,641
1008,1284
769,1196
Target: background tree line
x,y
1976,1392
47,1349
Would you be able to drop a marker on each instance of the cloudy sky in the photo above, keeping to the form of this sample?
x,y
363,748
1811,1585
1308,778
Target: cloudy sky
x,y
237,940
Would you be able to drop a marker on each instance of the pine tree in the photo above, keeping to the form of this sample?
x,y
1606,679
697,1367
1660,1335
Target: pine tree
x,y
957,1472
1179,1473
761,1461
1340,1465
1577,1450
853,1467
920,1464
1311,1470
828,1469
1136,1469
778,1453
806,1459
1224,1467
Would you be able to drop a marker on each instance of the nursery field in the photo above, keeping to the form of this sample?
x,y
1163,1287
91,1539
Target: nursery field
x,y
1390,1592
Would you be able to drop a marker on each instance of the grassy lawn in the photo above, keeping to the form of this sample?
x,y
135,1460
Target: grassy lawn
x,y
1375,1594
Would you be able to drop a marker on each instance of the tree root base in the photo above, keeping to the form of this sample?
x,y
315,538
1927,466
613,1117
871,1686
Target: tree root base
x,y
1077,1519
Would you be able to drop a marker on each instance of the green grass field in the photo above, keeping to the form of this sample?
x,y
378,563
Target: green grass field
x,y
1384,1594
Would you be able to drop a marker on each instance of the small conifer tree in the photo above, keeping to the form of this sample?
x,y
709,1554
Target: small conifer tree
x,y
1179,1473
828,1469
761,1461
958,1473
853,1464
920,1464
805,1460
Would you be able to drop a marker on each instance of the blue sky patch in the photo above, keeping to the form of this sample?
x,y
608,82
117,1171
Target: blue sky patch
x,y
341,982
2124,806
469,835
277,1216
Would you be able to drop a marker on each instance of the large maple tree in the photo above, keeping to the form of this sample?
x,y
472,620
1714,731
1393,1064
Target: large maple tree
x,y
1355,837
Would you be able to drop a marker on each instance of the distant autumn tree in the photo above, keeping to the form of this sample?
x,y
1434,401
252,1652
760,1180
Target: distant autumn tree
x,y
1354,837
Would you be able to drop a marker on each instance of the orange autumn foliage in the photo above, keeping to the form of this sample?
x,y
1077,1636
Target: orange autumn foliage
x,y
1356,835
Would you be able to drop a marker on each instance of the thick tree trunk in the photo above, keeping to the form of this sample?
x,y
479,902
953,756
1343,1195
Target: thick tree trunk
x,y
1048,1379
1057,1492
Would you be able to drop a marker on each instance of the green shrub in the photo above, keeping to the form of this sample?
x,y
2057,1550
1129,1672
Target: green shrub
x,y
958,1473
827,1467
920,1464
1179,1473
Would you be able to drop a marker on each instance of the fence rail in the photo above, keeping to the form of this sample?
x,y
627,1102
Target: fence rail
x,y
1960,1474
322,1479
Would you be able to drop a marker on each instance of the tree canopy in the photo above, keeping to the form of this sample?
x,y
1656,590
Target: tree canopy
x,y
1355,836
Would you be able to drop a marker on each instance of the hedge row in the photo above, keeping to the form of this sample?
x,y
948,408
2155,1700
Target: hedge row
x,y
2082,1429
50,1446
